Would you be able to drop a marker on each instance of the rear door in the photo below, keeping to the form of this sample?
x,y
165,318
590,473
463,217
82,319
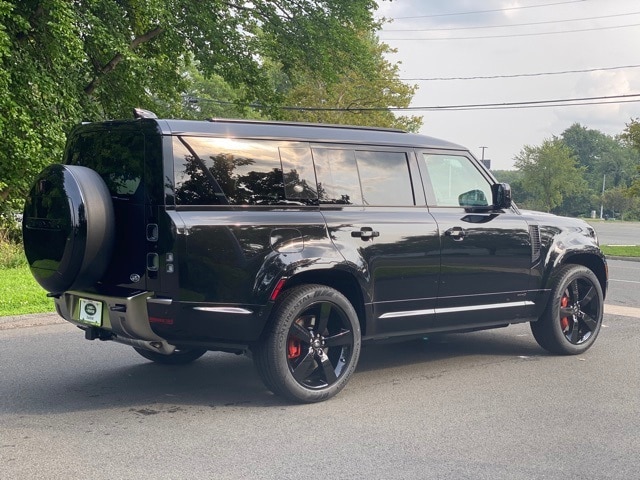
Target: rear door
x,y
119,152
367,196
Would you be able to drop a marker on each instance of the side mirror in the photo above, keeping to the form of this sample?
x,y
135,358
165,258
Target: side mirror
x,y
473,198
501,195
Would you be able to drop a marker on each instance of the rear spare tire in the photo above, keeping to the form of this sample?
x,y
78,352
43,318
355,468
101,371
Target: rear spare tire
x,y
67,227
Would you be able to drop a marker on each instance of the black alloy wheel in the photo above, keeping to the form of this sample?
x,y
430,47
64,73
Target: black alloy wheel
x,y
573,317
313,347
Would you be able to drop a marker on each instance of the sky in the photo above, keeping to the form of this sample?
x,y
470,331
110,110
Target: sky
x,y
430,38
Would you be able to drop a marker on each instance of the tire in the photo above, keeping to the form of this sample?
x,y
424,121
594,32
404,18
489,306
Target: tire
x,y
312,347
573,317
178,357
67,227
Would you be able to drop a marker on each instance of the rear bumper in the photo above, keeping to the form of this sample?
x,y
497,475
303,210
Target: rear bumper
x,y
124,318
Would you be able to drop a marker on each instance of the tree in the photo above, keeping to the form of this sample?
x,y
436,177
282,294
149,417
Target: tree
x,y
617,201
600,155
631,136
358,96
549,173
62,62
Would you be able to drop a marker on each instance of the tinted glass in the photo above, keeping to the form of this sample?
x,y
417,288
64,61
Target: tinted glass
x,y
337,176
299,177
385,178
453,181
194,183
118,156
215,171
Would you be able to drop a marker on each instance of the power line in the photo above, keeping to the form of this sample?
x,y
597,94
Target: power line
x,y
504,26
488,11
511,35
517,75
564,102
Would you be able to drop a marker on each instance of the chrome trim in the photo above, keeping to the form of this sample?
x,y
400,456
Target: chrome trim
x,y
409,313
234,310
490,306
161,301
470,308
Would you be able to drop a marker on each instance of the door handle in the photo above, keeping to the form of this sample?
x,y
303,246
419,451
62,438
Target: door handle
x,y
456,233
365,233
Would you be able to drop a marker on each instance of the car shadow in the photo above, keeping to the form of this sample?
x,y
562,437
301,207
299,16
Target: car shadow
x,y
219,381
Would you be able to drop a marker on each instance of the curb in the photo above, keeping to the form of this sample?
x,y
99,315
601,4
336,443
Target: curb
x,y
626,259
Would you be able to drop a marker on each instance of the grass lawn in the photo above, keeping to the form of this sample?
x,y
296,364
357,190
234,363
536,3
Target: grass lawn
x,y
20,293
621,251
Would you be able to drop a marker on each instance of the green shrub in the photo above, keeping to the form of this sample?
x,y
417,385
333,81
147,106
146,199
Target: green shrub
x,y
11,253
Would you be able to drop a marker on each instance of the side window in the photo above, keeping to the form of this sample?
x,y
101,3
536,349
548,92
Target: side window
x,y
226,171
453,181
299,177
385,178
337,176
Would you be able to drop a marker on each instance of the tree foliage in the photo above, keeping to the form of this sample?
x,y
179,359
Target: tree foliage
x,y
631,136
549,173
600,155
62,62
358,96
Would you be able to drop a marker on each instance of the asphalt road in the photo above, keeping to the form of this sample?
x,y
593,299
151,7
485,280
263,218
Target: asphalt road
x,y
617,233
486,405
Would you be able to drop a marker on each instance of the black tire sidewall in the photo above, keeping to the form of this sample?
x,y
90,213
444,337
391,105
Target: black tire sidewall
x,y
548,330
271,356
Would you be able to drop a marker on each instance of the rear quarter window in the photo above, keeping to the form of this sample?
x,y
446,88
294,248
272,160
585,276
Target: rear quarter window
x,y
227,171
118,156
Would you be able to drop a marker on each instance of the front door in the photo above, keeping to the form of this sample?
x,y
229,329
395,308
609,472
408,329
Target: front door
x,y
486,254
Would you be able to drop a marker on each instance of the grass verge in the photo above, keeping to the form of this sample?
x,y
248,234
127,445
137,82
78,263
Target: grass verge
x,y
621,250
21,294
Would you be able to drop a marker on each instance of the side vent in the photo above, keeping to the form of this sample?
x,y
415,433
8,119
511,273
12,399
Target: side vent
x,y
534,234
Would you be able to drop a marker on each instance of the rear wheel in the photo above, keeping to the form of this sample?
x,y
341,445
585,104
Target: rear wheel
x,y
573,317
180,356
313,346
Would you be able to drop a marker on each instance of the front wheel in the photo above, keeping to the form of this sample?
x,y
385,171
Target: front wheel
x,y
572,320
180,356
313,345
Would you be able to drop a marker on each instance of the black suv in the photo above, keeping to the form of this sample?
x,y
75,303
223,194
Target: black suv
x,y
297,242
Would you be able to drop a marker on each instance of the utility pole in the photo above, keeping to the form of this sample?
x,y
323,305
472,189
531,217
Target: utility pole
x,y
483,149
604,179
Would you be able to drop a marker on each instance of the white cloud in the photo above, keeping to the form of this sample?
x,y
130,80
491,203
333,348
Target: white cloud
x,y
505,132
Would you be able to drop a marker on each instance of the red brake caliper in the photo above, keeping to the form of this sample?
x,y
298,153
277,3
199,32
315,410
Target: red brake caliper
x,y
564,321
293,348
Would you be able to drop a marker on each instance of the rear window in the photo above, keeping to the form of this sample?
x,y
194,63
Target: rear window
x,y
118,156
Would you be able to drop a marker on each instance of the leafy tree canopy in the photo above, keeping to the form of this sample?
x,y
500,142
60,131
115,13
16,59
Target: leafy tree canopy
x,y
64,61
549,173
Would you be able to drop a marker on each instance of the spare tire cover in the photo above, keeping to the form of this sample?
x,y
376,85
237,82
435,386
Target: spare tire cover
x,y
67,228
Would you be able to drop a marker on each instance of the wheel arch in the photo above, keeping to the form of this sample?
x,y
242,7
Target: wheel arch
x,y
340,280
596,263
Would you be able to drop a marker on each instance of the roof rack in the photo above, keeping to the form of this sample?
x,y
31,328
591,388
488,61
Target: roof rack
x,y
304,124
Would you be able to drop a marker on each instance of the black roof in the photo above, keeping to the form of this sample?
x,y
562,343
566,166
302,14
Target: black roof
x,y
313,132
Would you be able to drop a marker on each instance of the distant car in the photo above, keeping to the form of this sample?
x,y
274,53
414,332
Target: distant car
x,y
297,242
